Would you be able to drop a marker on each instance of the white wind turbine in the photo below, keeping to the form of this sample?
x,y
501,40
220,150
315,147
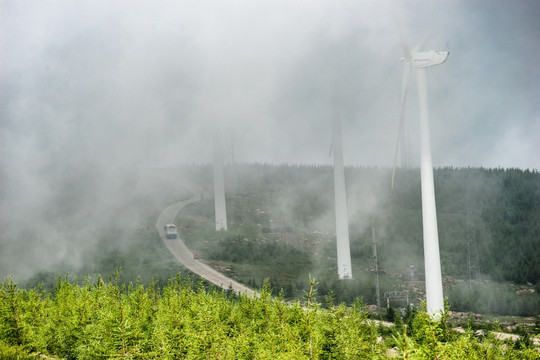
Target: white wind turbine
x,y
342,219
219,185
420,61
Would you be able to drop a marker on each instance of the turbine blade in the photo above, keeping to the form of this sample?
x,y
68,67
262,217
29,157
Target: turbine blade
x,y
332,137
335,119
405,84
422,43
404,47
404,90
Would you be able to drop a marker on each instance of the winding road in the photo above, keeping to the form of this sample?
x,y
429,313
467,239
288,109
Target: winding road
x,y
185,257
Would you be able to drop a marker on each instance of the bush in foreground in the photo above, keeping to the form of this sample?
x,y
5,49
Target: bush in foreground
x,y
103,319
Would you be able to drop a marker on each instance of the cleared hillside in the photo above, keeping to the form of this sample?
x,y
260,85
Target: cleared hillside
x,y
281,221
282,228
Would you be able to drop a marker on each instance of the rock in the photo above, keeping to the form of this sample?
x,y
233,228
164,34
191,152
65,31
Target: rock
x,y
393,352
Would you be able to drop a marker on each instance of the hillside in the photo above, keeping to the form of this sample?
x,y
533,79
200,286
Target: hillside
x,y
281,222
281,228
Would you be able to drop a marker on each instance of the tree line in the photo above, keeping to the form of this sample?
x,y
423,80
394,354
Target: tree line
x,y
489,223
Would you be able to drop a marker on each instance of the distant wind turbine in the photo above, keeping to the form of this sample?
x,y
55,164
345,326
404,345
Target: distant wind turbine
x,y
420,61
219,185
342,219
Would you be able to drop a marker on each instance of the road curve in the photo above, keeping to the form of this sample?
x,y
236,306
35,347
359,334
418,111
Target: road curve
x,y
185,257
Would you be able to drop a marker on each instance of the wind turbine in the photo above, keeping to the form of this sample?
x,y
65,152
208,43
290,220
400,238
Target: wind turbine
x,y
342,219
420,61
219,185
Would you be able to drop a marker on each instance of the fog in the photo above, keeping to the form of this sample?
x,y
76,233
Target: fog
x,y
91,92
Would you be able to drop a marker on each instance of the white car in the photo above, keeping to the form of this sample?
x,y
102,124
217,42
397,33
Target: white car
x,y
170,231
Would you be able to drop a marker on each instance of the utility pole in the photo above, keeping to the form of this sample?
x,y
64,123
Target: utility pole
x,y
378,294
473,266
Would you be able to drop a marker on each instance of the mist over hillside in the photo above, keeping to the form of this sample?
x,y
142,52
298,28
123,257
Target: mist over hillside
x,y
63,229
502,205
488,226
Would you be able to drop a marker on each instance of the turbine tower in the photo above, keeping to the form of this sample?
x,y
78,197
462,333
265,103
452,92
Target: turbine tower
x,y
420,61
219,185
342,219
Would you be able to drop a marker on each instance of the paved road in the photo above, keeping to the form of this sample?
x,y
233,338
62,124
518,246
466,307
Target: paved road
x,y
185,256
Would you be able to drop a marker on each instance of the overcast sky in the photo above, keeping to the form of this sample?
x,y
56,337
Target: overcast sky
x,y
142,83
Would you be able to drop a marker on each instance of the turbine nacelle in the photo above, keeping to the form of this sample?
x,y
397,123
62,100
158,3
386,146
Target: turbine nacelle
x,y
428,58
